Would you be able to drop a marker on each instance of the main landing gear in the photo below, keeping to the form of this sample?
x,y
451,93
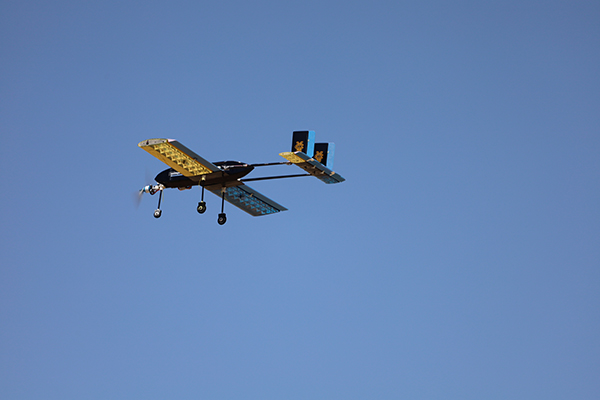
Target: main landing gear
x,y
202,204
222,218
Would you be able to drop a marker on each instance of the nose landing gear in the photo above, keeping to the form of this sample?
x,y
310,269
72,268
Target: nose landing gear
x,y
158,212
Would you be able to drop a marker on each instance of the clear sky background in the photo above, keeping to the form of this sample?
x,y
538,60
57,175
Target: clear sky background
x,y
459,260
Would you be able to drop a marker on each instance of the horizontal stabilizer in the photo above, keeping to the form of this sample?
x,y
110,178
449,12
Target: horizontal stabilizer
x,y
249,200
312,166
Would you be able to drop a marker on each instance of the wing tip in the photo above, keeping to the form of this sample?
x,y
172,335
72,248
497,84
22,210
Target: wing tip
x,y
152,142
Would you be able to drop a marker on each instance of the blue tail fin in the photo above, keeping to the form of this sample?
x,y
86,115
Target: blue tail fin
x,y
303,141
324,153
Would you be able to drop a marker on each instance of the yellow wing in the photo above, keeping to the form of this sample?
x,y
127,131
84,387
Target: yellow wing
x,y
178,157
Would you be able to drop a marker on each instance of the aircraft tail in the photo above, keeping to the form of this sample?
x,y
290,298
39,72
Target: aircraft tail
x,y
304,141
314,158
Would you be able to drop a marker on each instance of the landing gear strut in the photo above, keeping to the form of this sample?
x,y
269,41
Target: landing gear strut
x,y
158,211
222,217
202,204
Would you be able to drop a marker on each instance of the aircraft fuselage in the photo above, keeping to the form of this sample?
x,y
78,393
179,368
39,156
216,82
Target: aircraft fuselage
x,y
230,172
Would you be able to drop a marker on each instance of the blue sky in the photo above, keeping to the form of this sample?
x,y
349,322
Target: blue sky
x,y
459,260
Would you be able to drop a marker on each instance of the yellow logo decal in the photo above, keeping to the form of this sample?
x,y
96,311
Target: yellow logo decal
x,y
299,146
319,156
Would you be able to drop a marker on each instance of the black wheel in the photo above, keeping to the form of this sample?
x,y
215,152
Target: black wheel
x,y
201,207
157,213
222,219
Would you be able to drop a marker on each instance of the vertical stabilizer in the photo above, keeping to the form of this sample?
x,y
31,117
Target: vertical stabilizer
x,y
303,141
314,158
324,153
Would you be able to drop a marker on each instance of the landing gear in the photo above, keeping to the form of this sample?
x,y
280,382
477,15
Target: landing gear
x,y
202,204
158,212
222,217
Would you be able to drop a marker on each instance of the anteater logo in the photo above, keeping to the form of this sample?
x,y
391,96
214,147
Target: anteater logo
x,y
319,156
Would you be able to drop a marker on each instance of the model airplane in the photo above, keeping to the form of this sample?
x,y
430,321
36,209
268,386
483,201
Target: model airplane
x,y
226,178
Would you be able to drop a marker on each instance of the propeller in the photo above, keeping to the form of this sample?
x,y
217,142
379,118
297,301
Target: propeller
x,y
137,198
149,188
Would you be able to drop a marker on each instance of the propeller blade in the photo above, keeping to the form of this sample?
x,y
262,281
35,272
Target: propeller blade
x,y
137,198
